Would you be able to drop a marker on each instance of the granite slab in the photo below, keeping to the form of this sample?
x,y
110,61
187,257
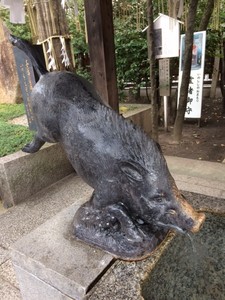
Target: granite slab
x,y
52,256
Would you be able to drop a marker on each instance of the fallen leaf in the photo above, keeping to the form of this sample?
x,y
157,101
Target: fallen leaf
x,y
123,109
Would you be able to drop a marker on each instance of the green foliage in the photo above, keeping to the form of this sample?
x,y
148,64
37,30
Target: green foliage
x,y
12,137
130,44
131,54
84,73
77,31
76,25
10,111
20,30
213,43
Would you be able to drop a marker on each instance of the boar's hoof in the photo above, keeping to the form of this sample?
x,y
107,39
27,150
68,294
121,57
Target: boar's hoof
x,y
33,146
113,229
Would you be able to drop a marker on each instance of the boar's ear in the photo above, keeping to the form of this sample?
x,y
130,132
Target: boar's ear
x,y
133,170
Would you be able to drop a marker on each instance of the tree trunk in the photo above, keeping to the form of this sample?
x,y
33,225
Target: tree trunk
x,y
152,60
215,75
222,82
178,126
203,26
206,15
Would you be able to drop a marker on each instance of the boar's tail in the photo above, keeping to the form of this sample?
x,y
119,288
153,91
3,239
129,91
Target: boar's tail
x,y
33,52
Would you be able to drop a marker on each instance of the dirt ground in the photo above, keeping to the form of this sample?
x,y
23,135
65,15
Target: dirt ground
x,y
206,142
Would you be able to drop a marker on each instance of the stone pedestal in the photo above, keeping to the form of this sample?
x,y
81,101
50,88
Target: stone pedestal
x,y
51,265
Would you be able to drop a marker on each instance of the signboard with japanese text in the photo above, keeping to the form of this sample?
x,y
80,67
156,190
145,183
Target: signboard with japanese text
x,y
164,77
27,81
195,89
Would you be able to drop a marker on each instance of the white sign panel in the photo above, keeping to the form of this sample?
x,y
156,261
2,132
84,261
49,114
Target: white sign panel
x,y
164,77
167,36
195,89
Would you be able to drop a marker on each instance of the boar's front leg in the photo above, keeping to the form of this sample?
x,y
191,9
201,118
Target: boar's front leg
x,y
114,229
127,225
33,146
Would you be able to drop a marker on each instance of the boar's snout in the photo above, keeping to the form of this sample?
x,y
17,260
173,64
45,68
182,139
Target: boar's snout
x,y
194,219
198,221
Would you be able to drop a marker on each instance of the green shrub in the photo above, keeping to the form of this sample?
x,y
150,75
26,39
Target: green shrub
x,y
11,111
12,137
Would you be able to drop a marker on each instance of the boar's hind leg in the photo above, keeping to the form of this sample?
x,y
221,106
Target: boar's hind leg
x,y
33,146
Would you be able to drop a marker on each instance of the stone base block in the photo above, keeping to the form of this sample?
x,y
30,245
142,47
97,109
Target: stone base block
x,y
51,264
22,174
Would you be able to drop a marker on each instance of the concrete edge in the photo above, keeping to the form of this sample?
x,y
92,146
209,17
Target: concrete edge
x,y
202,177
197,168
5,191
199,186
22,175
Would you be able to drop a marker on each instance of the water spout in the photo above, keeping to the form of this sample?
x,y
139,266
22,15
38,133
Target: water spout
x,y
171,226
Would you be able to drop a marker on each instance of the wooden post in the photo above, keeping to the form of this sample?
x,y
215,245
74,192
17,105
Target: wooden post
x,y
152,61
102,50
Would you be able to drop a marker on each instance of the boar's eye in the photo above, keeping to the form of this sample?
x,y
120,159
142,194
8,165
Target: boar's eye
x,y
132,170
160,198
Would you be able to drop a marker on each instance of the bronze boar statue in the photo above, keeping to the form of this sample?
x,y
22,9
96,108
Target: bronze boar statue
x,y
135,200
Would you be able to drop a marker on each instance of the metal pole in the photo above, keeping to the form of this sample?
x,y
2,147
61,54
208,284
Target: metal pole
x,y
165,103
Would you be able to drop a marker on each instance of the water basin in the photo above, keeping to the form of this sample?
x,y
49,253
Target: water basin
x,y
193,271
